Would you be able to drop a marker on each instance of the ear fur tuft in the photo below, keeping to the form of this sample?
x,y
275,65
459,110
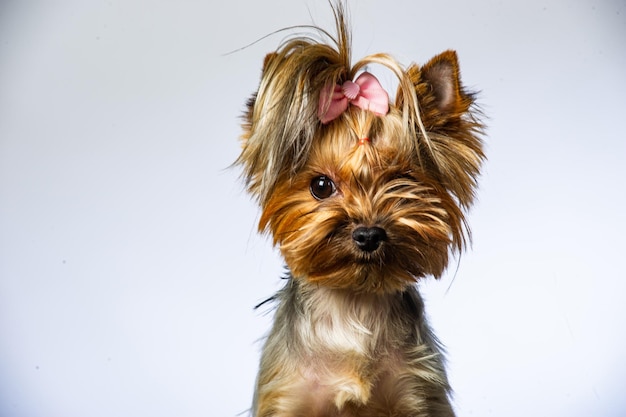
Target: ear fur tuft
x,y
450,146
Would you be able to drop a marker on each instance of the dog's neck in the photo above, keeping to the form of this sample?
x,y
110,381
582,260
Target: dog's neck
x,y
340,321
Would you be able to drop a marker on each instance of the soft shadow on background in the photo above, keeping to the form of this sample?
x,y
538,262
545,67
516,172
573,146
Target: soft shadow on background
x,y
129,260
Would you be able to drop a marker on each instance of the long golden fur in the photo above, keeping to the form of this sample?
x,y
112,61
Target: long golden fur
x,y
350,337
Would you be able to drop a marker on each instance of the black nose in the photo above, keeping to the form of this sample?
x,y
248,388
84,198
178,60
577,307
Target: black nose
x,y
368,239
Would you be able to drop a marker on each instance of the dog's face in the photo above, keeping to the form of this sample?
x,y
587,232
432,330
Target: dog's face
x,y
361,214
365,202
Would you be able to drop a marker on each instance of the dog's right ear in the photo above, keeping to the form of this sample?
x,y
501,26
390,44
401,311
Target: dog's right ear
x,y
280,119
255,153
248,115
268,60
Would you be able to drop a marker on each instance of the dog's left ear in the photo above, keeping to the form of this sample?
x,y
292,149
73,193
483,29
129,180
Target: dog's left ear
x,y
441,73
452,148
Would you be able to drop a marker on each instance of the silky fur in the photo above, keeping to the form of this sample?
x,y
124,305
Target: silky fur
x,y
349,336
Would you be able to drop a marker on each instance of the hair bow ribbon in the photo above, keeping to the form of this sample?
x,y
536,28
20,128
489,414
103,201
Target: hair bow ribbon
x,y
365,92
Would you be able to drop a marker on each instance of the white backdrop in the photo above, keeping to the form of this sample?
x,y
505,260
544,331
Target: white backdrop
x,y
129,261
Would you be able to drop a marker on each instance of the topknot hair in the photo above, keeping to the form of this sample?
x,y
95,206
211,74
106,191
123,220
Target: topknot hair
x,y
281,119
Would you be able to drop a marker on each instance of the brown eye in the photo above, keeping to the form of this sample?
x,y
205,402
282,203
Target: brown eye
x,y
322,187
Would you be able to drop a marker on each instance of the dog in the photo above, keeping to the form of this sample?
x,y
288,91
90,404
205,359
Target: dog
x,y
364,197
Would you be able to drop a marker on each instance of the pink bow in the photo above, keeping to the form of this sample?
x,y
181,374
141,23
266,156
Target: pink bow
x,y
365,92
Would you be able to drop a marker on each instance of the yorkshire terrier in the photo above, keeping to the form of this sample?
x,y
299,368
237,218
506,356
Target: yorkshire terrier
x,y
364,197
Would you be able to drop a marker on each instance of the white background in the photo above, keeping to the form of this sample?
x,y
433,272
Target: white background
x,y
129,261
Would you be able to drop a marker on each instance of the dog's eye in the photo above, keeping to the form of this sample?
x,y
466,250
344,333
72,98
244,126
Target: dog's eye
x,y
322,187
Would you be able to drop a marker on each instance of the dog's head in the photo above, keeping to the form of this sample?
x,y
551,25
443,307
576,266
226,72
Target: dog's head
x,y
360,193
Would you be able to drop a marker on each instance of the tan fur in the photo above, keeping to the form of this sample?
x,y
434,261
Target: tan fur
x,y
350,337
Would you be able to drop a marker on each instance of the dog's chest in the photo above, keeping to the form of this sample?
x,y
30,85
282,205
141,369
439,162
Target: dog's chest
x,y
349,345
